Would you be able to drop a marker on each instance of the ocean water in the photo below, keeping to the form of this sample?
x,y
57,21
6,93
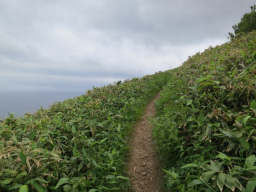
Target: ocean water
x,y
19,103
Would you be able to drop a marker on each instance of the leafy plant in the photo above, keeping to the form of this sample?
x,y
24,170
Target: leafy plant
x,y
76,145
246,25
206,117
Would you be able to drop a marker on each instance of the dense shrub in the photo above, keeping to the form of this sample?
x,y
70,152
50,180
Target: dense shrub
x,y
206,120
76,145
246,25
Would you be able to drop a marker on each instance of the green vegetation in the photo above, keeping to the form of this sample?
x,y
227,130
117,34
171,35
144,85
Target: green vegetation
x,y
206,120
246,25
204,128
76,145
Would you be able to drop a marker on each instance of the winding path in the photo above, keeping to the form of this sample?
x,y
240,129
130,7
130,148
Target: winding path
x,y
143,165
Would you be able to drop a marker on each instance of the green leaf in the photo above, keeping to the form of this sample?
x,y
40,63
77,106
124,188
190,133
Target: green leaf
x,y
24,188
123,178
189,102
190,165
246,119
208,186
250,186
238,185
207,175
93,190
41,180
62,181
73,129
223,156
103,140
253,105
232,134
215,166
244,144
207,133
6,181
171,173
110,177
67,188
21,174
227,133
38,187
195,182
221,181
23,158
232,183
250,161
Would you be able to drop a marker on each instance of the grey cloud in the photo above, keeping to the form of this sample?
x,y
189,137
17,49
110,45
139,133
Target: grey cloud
x,y
74,42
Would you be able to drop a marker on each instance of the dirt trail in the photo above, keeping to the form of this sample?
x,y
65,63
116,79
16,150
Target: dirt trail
x,y
143,166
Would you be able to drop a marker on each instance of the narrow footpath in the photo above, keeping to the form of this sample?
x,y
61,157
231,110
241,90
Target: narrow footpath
x,y
143,165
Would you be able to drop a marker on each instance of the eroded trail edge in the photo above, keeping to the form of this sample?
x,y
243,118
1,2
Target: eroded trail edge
x,y
143,165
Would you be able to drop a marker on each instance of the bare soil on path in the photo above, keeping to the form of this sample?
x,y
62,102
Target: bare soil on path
x,y
143,165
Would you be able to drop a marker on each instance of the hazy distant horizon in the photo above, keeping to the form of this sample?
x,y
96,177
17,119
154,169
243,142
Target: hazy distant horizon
x,y
19,103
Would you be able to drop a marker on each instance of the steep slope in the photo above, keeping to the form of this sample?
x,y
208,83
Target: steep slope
x,y
76,145
206,120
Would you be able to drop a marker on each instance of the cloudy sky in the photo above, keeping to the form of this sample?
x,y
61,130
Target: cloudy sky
x,y
63,45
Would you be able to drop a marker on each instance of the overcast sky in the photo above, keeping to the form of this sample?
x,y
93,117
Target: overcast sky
x,y
63,45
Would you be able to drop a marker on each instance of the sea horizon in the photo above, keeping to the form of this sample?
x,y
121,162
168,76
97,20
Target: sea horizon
x,y
20,102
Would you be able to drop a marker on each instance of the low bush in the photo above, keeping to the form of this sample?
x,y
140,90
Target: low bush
x,y
206,120
76,145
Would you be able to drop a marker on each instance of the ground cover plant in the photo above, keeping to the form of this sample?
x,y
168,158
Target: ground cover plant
x,y
206,120
76,145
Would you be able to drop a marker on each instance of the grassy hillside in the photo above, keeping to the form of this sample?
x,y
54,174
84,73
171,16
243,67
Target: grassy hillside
x,y
204,130
76,145
206,123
